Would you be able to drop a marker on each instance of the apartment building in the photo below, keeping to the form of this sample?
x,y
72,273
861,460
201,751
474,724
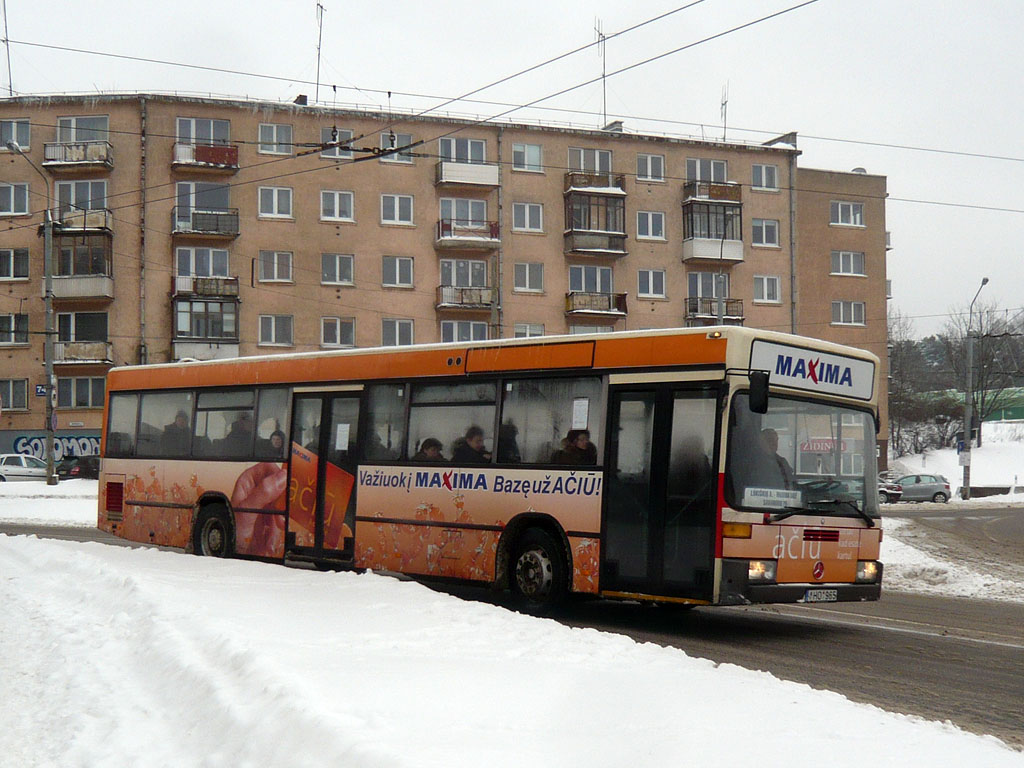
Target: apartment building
x,y
192,228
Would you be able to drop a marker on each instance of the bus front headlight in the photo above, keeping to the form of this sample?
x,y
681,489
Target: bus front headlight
x,y
761,570
867,571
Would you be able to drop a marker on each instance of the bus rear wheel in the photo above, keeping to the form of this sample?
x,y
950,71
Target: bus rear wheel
x,y
213,535
539,572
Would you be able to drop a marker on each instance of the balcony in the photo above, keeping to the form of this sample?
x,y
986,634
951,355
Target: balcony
x,y
708,249
78,156
83,352
470,174
595,183
452,297
606,304
595,243
190,285
79,222
212,158
460,234
204,350
726,192
188,222
701,310
83,287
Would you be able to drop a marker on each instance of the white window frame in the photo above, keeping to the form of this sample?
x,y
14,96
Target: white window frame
x,y
15,129
699,280
528,277
473,269
192,138
590,160
768,232
646,283
473,213
14,194
847,312
279,326
528,330
844,213
451,330
277,198
70,123
644,170
578,276
71,326
523,158
847,263
65,194
214,255
762,289
335,197
759,177
9,262
707,169
392,329
575,330
338,260
276,267
397,204
275,139
7,393
475,150
523,212
393,267
336,153
401,140
648,220
343,327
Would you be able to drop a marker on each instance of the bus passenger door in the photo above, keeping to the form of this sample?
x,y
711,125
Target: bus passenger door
x,y
658,531
322,492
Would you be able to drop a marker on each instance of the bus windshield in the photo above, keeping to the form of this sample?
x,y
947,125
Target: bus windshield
x,y
801,457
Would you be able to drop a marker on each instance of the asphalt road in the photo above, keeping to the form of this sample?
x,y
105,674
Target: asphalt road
x,y
937,657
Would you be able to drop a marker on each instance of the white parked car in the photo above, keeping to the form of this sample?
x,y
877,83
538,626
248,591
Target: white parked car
x,y
17,466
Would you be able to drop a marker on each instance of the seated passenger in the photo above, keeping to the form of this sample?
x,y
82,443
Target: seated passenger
x,y
430,450
176,437
277,443
470,449
576,449
508,447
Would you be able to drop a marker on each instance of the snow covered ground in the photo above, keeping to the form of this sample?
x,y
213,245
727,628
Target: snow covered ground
x,y
112,656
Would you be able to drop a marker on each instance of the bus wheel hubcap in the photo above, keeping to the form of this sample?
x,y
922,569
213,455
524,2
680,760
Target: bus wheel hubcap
x,y
214,538
534,573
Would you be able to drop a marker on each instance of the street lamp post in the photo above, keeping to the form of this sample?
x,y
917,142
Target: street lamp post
x,y
965,456
51,391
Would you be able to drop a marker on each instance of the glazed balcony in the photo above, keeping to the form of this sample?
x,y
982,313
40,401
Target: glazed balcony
x,y
460,234
188,222
600,304
78,156
190,285
212,158
726,192
450,172
477,298
83,352
701,310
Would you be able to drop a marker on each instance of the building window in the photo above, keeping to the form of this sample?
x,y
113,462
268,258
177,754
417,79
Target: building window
x,y
201,196
847,263
336,268
338,136
276,202
849,214
698,169
464,150
396,272
336,206
275,139
651,283
13,329
79,196
14,394
14,264
202,262
527,217
276,330
13,199
91,256
766,232
703,285
529,276
847,313
528,157
650,225
596,213
337,332
464,213
395,332
765,177
16,131
275,266
528,330
590,279
202,130
581,329
84,392
650,167
712,221
400,140
215,320
396,209
72,130
463,330
82,326
766,288
464,273
590,160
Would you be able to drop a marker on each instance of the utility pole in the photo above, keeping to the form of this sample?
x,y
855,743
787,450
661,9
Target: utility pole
x,y
965,455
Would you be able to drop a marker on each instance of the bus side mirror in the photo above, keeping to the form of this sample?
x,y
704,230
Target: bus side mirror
x,y
759,391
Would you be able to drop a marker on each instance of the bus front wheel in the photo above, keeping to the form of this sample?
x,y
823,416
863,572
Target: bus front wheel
x,y
213,535
539,570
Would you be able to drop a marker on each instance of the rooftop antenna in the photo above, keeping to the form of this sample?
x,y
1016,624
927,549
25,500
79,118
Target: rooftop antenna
x,y
7,45
319,39
725,107
604,83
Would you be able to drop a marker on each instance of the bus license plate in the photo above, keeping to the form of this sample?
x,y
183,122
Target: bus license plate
x,y
821,596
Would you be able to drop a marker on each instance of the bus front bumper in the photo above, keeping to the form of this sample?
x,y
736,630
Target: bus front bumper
x,y
736,589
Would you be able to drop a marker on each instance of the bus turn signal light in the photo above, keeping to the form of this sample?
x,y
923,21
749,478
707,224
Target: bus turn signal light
x,y
736,530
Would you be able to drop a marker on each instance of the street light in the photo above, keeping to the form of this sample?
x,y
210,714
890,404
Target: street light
x,y
965,456
51,392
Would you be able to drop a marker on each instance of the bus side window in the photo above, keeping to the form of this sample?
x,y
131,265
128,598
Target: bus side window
x,y
165,424
385,422
272,423
124,410
539,414
446,412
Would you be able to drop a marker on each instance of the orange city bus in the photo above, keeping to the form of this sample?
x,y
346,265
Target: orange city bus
x,y
711,466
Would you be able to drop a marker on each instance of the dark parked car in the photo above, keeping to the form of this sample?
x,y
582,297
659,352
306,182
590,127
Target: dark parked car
x,y
925,488
79,466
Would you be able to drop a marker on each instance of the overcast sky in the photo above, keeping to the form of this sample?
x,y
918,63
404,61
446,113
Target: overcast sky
x,y
845,75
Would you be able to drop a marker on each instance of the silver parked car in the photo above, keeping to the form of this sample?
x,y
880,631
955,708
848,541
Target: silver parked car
x,y
925,488
17,466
